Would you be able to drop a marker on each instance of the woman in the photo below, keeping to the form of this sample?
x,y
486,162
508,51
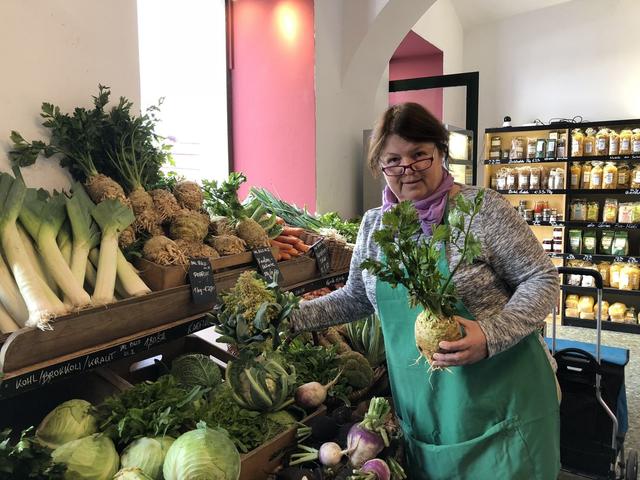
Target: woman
x,y
495,414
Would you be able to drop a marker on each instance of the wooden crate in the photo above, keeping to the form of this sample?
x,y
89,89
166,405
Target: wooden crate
x,y
73,334
160,277
256,464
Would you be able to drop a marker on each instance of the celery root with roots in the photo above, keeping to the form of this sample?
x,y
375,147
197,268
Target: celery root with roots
x,y
412,261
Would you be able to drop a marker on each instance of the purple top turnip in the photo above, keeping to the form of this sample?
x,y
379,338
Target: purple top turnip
x,y
369,437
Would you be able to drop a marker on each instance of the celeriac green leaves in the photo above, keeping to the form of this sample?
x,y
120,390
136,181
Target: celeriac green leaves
x,y
412,261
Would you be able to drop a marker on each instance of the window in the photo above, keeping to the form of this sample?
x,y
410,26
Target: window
x,y
182,47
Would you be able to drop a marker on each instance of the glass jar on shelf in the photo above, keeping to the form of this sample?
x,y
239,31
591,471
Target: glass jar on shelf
x,y
586,175
635,176
623,175
576,174
625,142
610,176
614,143
602,142
597,173
589,143
577,143
635,142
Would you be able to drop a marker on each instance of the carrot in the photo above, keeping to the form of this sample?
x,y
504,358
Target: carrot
x,y
304,248
293,252
295,231
280,245
290,239
278,256
285,256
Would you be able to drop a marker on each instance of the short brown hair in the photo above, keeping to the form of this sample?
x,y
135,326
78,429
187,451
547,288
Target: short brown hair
x,y
410,121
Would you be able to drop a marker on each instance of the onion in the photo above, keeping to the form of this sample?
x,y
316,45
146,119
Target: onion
x,y
313,394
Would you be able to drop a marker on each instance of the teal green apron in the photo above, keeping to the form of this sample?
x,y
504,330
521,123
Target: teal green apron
x,y
495,419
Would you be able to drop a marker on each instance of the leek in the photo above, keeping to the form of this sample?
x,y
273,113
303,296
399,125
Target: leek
x,y
38,265
128,276
94,257
43,220
10,296
86,234
7,325
40,305
64,242
113,218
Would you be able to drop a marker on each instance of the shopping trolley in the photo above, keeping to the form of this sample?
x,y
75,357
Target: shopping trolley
x,y
593,405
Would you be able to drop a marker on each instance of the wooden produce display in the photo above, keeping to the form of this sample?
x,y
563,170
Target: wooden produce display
x,y
256,464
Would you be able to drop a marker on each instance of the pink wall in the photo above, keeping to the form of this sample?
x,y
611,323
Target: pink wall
x,y
414,58
273,97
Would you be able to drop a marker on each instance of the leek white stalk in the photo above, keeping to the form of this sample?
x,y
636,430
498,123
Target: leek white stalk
x,y
94,259
90,275
113,218
10,296
128,276
65,243
40,304
7,325
38,265
43,220
86,234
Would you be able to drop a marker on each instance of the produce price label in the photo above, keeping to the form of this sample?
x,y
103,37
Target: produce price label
x,y
633,191
44,376
323,256
203,288
267,264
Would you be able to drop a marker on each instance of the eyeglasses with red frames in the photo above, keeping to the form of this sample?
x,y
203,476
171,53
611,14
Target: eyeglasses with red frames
x,y
399,170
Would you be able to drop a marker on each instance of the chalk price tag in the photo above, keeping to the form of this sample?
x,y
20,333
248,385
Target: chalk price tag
x,y
203,288
267,264
323,256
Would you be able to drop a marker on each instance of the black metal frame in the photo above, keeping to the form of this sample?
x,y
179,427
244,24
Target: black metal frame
x,y
471,80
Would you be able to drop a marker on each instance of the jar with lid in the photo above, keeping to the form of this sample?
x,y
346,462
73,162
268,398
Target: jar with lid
x,y
576,173
557,246
596,176
623,175
635,176
558,233
586,175
541,148
625,142
593,211
547,245
496,143
610,176
561,151
602,142
589,143
614,143
528,214
552,148
540,205
577,143
635,142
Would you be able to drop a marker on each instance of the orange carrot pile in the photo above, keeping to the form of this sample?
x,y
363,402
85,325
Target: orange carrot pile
x,y
289,243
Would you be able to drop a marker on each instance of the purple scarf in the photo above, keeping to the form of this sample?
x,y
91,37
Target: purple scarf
x,y
430,209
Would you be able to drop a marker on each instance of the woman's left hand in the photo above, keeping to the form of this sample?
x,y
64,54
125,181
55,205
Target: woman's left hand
x,y
470,349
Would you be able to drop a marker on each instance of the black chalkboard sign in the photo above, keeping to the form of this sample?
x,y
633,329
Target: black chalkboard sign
x,y
44,376
203,288
323,256
267,264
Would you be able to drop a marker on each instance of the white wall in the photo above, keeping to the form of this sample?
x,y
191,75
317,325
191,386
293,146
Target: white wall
x,y
577,58
441,27
352,55
58,51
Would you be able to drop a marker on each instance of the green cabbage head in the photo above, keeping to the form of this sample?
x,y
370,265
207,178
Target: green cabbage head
x,y
131,474
68,421
89,458
147,454
195,369
202,454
